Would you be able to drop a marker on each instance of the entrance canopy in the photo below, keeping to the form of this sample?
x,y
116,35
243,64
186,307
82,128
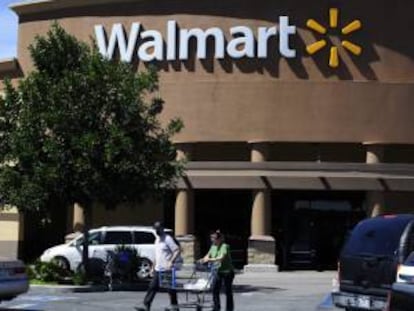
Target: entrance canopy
x,y
299,176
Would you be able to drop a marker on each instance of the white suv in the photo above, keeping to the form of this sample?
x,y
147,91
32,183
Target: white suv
x,y
105,239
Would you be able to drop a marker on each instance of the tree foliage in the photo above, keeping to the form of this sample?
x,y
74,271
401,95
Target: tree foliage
x,y
83,129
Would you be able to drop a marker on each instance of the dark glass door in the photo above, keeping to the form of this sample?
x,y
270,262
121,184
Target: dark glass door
x,y
310,227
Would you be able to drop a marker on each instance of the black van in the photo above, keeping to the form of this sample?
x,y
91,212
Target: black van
x,y
369,260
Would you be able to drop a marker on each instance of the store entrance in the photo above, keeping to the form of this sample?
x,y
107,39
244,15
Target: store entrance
x,y
310,227
228,211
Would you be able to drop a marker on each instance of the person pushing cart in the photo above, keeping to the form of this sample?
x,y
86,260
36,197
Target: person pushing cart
x,y
208,275
219,254
166,253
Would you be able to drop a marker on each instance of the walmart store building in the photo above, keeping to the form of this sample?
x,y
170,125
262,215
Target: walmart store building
x,y
299,116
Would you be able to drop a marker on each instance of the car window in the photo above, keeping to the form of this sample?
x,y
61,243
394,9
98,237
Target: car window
x,y
143,237
410,260
95,238
118,237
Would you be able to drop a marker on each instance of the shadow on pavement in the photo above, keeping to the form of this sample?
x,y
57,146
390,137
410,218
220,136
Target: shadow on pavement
x,y
239,288
133,287
250,288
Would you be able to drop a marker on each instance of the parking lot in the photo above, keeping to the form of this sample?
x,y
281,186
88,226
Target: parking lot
x,y
284,291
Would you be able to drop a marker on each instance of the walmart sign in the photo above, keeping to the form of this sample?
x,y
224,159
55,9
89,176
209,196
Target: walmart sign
x,y
148,45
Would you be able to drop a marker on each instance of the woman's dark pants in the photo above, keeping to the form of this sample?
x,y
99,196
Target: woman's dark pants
x,y
227,279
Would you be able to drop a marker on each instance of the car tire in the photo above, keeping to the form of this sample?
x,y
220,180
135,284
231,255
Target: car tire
x,y
144,269
62,262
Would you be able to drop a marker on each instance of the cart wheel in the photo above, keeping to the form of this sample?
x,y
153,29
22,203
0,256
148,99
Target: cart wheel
x,y
144,269
199,308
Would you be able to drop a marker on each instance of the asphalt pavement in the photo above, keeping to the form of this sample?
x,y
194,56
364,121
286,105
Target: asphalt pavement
x,y
283,291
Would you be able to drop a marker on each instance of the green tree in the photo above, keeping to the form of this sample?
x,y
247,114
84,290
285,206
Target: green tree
x,y
83,129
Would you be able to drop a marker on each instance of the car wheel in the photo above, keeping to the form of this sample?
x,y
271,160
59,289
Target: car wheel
x,y
144,269
62,262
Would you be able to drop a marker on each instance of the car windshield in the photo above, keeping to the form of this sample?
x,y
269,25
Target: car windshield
x,y
410,260
94,239
376,237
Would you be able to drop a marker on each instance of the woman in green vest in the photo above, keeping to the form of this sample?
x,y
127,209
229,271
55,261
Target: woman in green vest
x,y
219,253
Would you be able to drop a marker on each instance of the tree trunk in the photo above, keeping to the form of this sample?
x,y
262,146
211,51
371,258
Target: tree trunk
x,y
87,210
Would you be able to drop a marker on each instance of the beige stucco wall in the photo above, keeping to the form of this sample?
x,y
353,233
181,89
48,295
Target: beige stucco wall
x,y
367,99
11,233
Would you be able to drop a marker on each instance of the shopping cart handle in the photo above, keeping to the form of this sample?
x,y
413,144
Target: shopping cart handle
x,y
199,263
207,266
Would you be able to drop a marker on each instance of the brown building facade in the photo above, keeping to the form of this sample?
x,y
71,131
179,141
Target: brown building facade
x,y
289,142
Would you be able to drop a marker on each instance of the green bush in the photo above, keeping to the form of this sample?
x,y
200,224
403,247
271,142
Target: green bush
x,y
79,278
47,272
30,271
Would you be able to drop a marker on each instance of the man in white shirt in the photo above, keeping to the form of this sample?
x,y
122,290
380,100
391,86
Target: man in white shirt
x,y
166,252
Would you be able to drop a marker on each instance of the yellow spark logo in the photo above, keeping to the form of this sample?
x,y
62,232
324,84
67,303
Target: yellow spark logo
x,y
333,23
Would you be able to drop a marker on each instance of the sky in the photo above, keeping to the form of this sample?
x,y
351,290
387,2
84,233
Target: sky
x,y
8,30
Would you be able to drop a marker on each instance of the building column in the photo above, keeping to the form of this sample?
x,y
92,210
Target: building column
x,y
261,219
184,213
77,222
375,199
262,247
11,233
78,217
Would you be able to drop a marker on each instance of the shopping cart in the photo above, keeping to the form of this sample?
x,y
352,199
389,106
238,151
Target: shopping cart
x,y
196,287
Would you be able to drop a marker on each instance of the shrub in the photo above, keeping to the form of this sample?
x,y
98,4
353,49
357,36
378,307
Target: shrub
x,y
47,272
79,278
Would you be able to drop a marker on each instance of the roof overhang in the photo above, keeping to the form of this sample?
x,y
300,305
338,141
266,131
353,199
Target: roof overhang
x,y
10,68
299,176
38,6
8,65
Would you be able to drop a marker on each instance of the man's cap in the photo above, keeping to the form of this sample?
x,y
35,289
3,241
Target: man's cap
x,y
158,225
